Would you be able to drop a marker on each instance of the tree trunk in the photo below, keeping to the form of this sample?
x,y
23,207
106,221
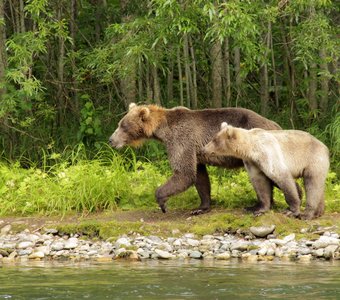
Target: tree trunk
x,y
140,81
22,16
216,73
180,77
170,81
275,83
264,81
312,87
148,84
2,50
238,79
324,81
227,82
128,82
187,69
289,70
60,71
194,75
73,31
156,86
264,94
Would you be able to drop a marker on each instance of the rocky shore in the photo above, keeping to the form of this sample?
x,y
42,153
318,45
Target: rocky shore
x,y
261,244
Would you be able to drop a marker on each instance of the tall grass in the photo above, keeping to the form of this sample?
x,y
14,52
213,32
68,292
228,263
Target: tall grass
x,y
69,182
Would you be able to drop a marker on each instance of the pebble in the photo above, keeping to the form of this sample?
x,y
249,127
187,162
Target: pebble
x,y
52,245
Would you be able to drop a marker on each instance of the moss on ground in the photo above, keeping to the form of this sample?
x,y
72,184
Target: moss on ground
x,y
217,221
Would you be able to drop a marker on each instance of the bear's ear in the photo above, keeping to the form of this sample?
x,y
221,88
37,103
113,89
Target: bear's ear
x,y
144,113
132,105
224,125
230,132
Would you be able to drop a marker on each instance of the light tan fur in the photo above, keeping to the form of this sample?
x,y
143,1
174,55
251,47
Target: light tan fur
x,y
282,156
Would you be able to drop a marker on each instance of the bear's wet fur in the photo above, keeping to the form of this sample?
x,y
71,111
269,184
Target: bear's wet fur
x,y
184,133
281,156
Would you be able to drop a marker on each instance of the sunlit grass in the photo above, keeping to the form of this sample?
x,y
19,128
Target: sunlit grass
x,y
114,180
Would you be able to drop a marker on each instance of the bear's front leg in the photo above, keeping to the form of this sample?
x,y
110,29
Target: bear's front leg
x,y
176,184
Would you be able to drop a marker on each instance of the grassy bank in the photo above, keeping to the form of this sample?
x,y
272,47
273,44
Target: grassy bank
x,y
114,194
119,181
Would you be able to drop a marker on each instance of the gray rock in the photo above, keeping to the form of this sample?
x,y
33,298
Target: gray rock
x,y
163,254
23,252
57,246
195,254
319,252
155,240
240,245
325,241
122,242
262,231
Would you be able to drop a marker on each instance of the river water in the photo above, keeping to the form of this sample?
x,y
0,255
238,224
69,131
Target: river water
x,y
171,280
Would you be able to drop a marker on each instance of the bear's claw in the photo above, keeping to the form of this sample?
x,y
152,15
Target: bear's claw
x,y
199,211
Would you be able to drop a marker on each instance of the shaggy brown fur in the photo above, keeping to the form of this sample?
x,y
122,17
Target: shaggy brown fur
x,y
184,133
282,156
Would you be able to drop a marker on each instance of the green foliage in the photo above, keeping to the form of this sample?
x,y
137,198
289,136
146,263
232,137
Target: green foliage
x,y
113,181
90,124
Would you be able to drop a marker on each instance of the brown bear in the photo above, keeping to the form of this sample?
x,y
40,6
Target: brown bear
x,y
281,156
184,133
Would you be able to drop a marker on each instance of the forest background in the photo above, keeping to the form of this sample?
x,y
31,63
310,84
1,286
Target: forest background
x,y
70,68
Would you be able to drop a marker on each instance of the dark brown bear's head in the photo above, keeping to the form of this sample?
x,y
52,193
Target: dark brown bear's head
x,y
136,126
224,143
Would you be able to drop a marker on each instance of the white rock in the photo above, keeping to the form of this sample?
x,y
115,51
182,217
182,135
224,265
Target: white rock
x,y
262,231
330,250
289,238
177,243
163,254
263,251
71,243
24,245
193,243
270,251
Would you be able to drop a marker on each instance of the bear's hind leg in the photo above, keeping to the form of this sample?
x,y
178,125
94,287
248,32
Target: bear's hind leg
x,y
315,202
263,187
202,185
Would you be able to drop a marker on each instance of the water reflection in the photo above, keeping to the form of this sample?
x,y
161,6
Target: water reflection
x,y
171,280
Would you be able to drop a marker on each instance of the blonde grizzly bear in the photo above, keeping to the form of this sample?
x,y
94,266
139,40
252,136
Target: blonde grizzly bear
x,y
184,133
282,156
